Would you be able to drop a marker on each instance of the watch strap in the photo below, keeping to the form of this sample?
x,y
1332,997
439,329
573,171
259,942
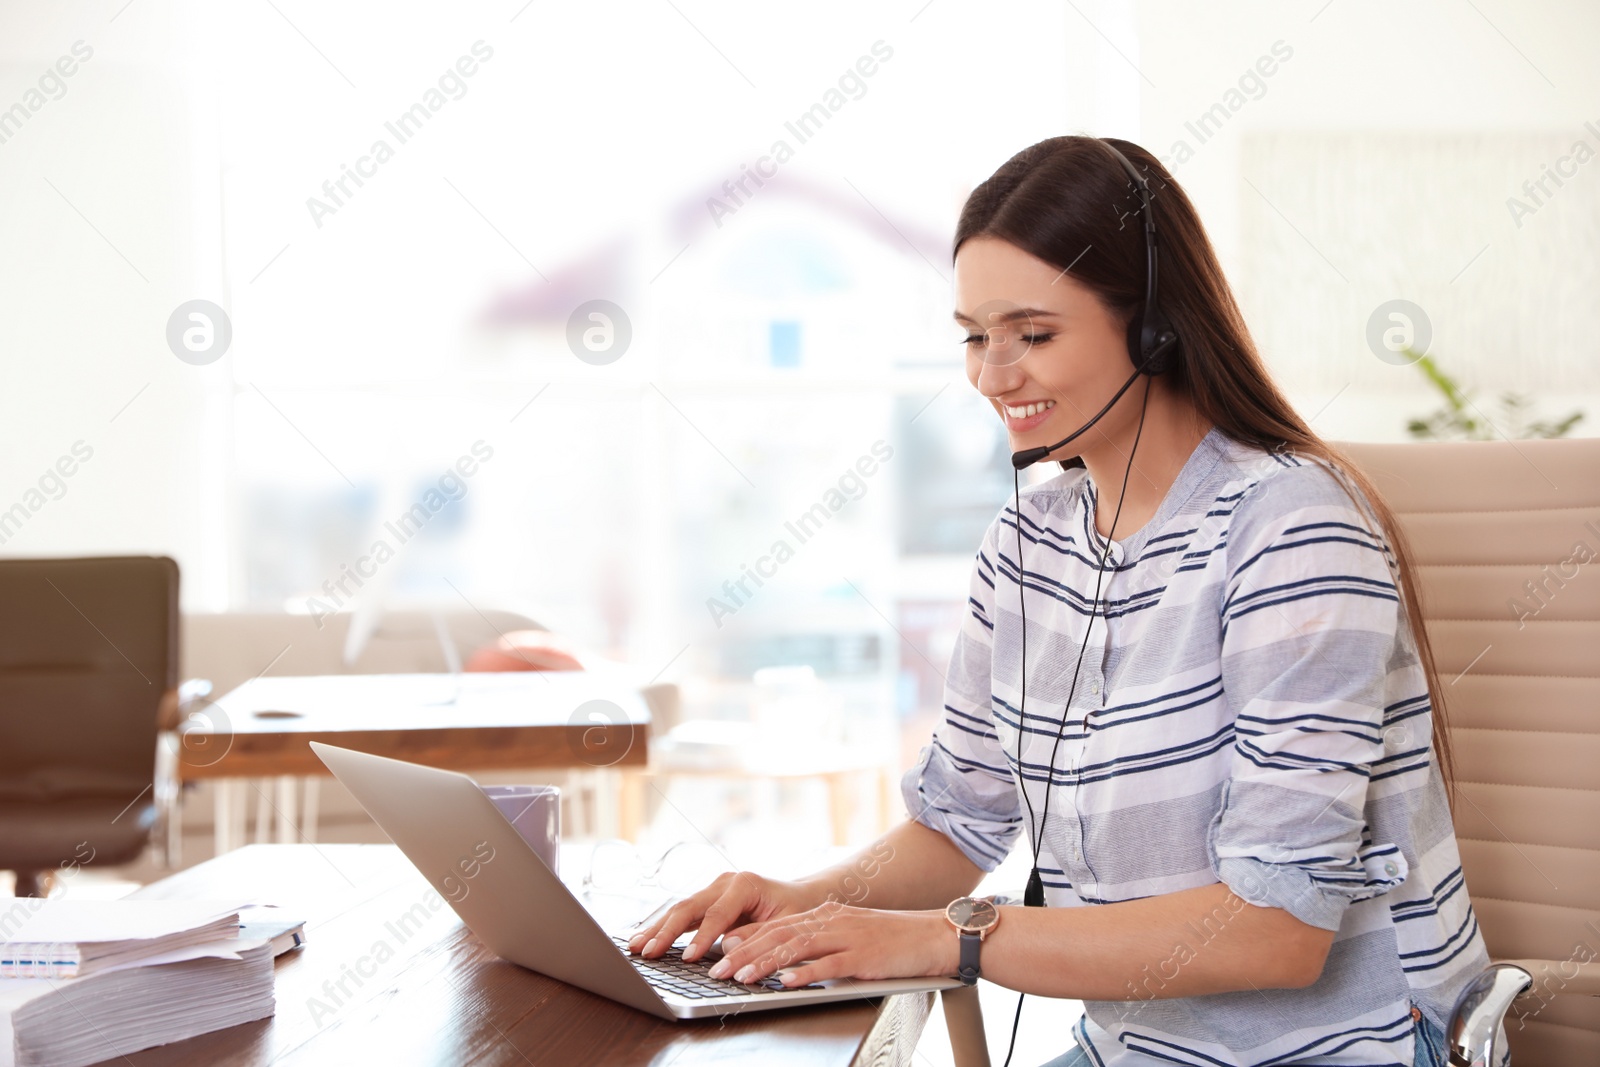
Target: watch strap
x,y
968,971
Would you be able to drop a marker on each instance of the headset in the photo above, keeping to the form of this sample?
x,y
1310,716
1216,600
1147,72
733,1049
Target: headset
x,y
1152,342
1153,346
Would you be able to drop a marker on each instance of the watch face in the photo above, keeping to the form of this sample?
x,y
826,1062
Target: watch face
x,y
972,914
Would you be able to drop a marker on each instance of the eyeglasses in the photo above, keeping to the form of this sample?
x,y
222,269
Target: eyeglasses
x,y
615,866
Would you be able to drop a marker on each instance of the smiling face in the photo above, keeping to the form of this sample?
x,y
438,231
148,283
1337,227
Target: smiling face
x,y
1057,358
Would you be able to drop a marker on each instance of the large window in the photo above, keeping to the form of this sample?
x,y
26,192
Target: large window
x,y
784,466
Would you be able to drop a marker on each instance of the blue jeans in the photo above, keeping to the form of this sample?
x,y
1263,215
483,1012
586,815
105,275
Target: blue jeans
x,y
1429,1040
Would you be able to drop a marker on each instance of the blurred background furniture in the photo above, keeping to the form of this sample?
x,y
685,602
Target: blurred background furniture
x,y
549,721
88,676
229,649
794,731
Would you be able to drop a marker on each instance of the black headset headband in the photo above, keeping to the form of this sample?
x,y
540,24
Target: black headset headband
x,y
1152,342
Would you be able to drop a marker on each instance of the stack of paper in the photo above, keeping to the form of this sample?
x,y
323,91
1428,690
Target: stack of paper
x,y
144,973
71,938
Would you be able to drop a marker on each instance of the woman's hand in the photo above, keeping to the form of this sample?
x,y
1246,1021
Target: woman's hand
x,y
732,900
841,941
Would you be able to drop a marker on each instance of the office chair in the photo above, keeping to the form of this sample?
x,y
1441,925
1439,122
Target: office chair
x,y
88,676
1503,536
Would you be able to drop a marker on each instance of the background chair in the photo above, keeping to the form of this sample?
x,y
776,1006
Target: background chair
x,y
230,648
88,675
1506,539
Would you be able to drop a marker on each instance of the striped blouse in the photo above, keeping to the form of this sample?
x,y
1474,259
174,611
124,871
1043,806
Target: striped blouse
x,y
1250,710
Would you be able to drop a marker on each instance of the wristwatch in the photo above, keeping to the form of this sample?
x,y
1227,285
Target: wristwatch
x,y
974,920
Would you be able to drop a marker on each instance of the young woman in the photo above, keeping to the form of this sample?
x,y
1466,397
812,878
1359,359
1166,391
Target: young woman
x,y
1192,669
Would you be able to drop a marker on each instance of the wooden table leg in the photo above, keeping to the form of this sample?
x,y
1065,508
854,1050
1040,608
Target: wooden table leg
x,y
239,825
309,813
263,810
221,814
632,805
838,805
285,808
605,797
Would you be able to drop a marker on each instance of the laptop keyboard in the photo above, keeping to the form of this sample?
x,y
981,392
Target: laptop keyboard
x,y
672,974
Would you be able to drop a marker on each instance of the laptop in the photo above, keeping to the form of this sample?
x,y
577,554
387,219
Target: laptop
x,y
519,908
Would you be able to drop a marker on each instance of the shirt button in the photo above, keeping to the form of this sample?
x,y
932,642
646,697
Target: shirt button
x,y
1094,687
1390,869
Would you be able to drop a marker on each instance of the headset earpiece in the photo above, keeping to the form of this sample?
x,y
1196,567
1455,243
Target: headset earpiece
x,y
1157,344
1152,345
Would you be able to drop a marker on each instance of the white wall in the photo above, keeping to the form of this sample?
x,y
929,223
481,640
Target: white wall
x,y
107,222
1371,70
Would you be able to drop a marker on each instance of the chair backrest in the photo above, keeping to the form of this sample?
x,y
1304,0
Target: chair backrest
x,y
1505,537
88,665
229,649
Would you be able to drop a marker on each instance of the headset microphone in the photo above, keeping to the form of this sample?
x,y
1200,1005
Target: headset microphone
x,y
1029,456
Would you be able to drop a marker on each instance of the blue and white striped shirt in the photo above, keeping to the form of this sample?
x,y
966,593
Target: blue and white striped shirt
x,y
1250,710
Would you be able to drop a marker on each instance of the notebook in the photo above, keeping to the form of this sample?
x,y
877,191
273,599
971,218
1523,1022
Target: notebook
x,y
75,938
263,922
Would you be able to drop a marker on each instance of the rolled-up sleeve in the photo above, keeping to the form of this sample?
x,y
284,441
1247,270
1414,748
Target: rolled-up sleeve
x,y
1311,625
961,785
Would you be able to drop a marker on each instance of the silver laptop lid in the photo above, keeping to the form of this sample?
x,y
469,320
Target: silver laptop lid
x,y
483,869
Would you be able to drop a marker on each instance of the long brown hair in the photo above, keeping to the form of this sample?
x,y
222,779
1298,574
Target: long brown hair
x,y
1070,203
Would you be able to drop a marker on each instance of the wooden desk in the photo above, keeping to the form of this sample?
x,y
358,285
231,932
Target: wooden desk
x,y
439,997
569,720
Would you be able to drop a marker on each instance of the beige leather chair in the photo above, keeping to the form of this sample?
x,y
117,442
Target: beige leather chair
x,y
228,649
1506,539
1505,536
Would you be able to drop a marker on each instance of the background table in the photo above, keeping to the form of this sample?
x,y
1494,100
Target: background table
x,y
440,997
568,720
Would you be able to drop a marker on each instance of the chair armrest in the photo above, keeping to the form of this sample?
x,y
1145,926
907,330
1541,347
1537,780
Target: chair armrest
x,y
1559,977
1476,1034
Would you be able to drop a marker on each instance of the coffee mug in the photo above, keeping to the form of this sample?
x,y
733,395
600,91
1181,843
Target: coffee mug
x,y
534,811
